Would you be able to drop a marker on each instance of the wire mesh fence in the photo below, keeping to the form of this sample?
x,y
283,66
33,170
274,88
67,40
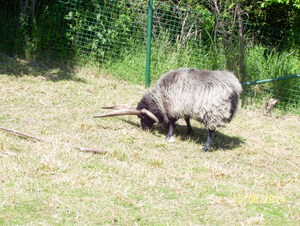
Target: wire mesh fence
x,y
113,34
102,31
284,91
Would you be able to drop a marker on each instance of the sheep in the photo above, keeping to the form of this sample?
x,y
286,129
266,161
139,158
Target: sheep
x,y
210,97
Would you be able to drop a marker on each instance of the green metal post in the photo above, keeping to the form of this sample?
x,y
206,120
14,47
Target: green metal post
x,y
149,34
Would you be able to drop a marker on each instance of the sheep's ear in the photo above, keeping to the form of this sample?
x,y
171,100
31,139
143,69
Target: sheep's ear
x,y
150,114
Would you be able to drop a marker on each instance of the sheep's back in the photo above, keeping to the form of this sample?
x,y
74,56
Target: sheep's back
x,y
206,96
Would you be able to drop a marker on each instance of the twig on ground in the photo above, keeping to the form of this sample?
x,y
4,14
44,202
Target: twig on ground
x,y
95,150
23,134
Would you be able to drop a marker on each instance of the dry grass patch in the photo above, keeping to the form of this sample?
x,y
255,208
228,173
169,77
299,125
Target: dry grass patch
x,y
142,180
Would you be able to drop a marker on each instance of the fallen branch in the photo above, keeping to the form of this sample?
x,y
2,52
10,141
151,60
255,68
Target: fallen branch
x,y
95,150
23,134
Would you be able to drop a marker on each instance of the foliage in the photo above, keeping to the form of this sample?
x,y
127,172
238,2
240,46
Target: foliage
x,y
282,14
295,3
100,30
34,30
10,28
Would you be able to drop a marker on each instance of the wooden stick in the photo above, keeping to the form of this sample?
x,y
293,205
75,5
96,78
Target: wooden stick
x,y
23,134
95,150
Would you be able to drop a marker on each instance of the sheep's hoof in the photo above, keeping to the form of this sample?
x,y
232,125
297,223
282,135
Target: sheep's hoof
x,y
205,149
171,139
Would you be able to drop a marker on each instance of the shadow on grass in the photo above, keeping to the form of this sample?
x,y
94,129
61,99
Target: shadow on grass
x,y
45,70
220,141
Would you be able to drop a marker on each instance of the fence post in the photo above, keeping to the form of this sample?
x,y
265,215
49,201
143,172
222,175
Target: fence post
x,y
149,34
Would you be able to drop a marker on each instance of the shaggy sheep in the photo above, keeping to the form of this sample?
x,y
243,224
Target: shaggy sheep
x,y
210,97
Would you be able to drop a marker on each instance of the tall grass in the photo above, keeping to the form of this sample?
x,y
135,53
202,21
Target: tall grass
x,y
131,64
259,63
262,63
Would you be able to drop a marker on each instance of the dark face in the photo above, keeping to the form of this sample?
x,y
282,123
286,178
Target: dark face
x,y
146,122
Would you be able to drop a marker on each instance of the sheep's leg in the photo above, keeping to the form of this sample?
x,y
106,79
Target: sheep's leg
x,y
190,130
210,136
170,134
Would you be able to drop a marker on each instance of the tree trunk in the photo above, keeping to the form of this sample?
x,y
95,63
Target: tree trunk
x,y
219,21
23,7
241,40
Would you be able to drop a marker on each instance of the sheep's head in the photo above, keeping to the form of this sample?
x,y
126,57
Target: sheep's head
x,y
146,122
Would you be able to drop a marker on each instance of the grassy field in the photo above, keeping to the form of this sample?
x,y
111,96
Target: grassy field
x,y
250,177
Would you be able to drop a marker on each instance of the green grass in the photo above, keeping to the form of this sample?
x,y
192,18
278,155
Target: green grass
x,y
142,180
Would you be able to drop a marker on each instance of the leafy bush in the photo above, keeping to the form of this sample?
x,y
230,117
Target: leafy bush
x,y
100,30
